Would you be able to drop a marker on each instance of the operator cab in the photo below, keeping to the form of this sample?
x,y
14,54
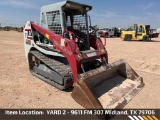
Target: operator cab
x,y
66,18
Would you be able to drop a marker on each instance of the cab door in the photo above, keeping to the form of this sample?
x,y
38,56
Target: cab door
x,y
140,32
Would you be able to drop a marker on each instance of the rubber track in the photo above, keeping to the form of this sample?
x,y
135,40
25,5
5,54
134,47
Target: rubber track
x,y
60,68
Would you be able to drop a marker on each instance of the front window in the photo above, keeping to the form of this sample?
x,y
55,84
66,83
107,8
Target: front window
x,y
54,22
131,28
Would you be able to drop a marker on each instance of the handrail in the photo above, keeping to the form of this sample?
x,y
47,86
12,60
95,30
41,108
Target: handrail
x,y
104,34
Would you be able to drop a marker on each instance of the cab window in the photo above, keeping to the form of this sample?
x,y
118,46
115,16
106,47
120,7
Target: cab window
x,y
141,29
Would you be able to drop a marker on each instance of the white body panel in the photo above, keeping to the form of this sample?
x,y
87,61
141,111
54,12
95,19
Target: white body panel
x,y
33,44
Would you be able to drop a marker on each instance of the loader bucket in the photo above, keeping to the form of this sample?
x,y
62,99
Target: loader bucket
x,y
107,87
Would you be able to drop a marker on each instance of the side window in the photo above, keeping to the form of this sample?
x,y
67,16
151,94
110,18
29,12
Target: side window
x,y
43,21
140,29
143,30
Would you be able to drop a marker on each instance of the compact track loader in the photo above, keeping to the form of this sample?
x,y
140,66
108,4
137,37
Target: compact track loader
x,y
62,52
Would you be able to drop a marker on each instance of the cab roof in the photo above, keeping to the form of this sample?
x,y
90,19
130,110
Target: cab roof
x,y
66,4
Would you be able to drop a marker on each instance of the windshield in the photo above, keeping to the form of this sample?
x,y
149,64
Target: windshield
x,y
106,29
131,28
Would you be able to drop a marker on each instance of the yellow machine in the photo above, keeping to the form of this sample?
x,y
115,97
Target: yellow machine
x,y
136,32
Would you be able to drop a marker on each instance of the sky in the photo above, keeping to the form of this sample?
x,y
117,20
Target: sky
x,y
105,13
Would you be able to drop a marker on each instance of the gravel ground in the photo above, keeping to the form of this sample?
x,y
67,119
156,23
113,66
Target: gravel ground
x,y
19,89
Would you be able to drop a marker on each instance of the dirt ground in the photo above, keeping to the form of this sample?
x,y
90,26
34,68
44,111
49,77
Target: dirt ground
x,y
19,89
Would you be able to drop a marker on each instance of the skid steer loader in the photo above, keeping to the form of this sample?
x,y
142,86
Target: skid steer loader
x,y
62,52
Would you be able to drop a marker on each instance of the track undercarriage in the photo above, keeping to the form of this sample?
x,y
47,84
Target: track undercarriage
x,y
50,70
